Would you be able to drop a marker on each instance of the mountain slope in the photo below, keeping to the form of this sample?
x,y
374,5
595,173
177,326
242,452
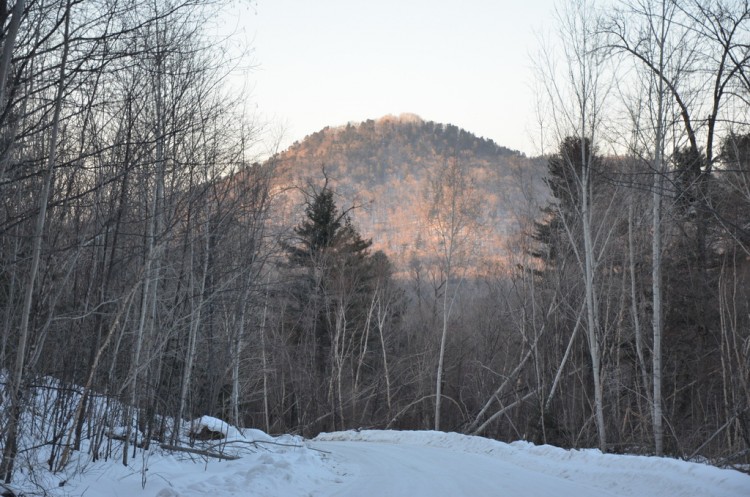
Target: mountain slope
x,y
385,166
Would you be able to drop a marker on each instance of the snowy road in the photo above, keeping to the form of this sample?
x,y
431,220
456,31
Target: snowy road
x,y
379,469
393,464
434,464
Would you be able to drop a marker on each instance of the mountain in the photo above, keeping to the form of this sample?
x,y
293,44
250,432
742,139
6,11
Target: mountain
x,y
383,167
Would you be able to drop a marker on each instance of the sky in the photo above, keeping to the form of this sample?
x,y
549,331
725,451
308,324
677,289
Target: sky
x,y
330,62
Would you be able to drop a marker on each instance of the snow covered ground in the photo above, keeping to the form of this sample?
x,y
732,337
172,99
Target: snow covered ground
x,y
380,463
390,463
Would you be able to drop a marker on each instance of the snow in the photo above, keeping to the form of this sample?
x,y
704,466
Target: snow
x,y
378,463
267,466
229,431
446,461
291,472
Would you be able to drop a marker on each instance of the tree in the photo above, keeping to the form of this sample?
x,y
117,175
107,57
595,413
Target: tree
x,y
735,154
732,212
577,94
690,60
331,287
8,42
453,222
16,378
114,136
663,57
567,233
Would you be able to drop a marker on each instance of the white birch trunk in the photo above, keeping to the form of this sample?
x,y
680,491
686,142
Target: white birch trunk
x,y
593,325
441,358
381,317
634,306
657,245
264,356
563,362
363,352
150,282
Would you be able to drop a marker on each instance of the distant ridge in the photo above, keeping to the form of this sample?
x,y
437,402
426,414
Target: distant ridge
x,y
384,166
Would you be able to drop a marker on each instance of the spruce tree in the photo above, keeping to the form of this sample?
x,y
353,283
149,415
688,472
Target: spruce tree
x,y
325,233
564,173
332,277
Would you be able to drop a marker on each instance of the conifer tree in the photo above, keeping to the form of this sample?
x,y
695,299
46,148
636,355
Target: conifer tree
x,y
332,279
564,173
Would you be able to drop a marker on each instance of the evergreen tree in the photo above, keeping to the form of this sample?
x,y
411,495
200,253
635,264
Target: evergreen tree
x,y
325,233
333,277
564,174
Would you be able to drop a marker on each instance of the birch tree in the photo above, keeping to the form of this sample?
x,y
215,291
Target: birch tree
x,y
688,57
662,58
453,222
577,92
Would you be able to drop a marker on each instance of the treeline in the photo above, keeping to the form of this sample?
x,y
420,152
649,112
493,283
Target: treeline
x,y
643,254
132,228
145,263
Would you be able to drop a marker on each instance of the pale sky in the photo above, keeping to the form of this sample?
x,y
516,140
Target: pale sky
x,y
329,62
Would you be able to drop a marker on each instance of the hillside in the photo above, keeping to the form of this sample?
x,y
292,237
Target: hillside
x,y
384,167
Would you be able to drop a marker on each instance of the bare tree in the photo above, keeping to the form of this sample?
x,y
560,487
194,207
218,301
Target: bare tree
x,y
16,379
9,42
577,95
453,222
103,124
690,56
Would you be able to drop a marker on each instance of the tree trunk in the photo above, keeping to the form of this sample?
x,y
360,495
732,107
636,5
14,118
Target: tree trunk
x,y
381,317
656,247
441,358
194,323
8,45
634,305
264,353
592,322
16,378
151,273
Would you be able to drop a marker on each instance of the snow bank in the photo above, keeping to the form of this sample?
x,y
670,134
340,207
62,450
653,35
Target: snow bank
x,y
288,465
267,467
278,471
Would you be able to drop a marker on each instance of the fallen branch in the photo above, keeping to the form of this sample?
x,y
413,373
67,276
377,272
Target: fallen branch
x,y
224,443
480,429
715,434
200,452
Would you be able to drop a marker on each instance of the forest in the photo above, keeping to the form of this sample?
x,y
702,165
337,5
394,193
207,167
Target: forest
x,y
154,268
